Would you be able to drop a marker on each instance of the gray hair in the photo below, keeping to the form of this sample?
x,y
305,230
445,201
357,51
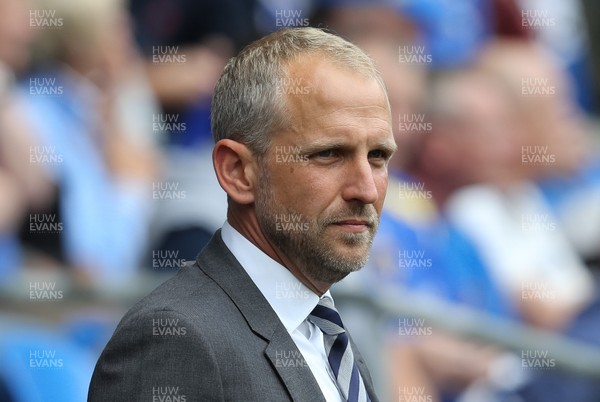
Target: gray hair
x,y
248,107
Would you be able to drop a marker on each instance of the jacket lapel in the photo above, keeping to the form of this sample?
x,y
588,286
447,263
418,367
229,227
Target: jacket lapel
x,y
292,368
216,261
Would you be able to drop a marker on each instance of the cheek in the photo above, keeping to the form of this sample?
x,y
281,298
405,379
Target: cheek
x,y
306,190
293,186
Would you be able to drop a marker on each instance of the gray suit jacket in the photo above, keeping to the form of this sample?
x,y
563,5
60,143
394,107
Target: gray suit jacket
x,y
207,334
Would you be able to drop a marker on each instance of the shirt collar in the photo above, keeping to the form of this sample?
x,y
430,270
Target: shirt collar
x,y
291,300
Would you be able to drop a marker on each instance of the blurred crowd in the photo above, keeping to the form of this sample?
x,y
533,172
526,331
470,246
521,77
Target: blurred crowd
x,y
494,194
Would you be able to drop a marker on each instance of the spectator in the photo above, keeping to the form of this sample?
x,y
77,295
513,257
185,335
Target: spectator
x,y
468,142
570,184
85,102
513,226
22,184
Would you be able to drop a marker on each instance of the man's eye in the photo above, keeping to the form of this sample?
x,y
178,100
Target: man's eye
x,y
327,153
378,154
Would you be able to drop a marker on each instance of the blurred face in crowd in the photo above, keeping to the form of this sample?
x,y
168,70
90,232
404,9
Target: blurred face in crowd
x,y
489,133
323,179
554,121
16,34
476,142
107,48
543,96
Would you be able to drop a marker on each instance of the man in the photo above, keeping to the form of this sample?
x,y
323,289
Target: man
x,y
303,136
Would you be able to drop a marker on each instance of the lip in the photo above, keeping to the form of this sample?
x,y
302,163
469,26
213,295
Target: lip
x,y
353,225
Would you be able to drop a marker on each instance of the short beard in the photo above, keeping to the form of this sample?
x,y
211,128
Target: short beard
x,y
304,243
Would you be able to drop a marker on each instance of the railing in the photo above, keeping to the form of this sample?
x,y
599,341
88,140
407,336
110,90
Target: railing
x,y
386,304
569,354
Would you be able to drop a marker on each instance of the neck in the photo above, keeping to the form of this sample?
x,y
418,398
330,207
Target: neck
x,y
243,219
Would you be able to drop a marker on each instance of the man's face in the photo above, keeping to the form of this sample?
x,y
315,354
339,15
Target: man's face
x,y
324,178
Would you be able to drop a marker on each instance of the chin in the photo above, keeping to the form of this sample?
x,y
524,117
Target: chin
x,y
355,246
352,257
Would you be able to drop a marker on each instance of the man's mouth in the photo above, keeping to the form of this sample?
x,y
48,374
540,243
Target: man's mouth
x,y
354,225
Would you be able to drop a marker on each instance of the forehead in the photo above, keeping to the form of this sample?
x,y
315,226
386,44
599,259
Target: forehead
x,y
318,89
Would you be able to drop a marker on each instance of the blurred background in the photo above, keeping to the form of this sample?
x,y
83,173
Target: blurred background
x,y
483,280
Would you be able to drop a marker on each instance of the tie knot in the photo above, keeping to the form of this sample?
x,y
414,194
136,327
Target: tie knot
x,y
326,317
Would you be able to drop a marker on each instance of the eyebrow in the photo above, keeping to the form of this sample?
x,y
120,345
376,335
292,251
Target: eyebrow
x,y
389,146
320,144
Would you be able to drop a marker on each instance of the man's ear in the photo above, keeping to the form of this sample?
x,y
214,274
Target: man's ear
x,y
236,169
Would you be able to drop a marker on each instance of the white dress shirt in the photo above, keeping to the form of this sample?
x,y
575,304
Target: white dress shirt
x,y
292,302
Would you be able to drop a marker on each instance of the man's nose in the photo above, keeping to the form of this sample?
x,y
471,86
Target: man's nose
x,y
359,182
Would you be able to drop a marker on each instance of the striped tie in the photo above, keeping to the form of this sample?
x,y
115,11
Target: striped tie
x,y
339,351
